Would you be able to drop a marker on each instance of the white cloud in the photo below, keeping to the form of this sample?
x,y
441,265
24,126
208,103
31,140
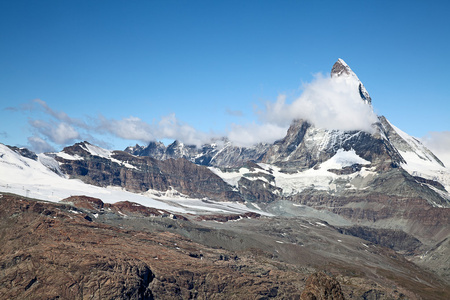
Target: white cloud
x,y
39,145
131,128
332,103
251,134
58,133
60,115
168,127
439,143
171,128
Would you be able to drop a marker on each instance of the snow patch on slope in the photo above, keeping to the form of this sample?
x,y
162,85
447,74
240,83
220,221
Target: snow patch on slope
x,y
95,151
292,183
321,178
68,156
230,177
343,159
421,162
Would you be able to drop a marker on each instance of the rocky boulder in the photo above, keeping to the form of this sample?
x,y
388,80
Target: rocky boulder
x,y
320,286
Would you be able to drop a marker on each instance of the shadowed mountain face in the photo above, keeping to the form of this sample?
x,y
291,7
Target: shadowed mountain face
x,y
140,174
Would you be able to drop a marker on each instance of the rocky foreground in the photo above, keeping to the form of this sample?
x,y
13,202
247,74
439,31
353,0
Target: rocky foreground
x,y
84,249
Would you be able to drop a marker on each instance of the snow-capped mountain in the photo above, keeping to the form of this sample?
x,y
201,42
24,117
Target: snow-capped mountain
x,y
307,149
314,187
46,177
356,174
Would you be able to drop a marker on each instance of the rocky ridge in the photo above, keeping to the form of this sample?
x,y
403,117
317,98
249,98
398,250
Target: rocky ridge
x,y
220,153
140,174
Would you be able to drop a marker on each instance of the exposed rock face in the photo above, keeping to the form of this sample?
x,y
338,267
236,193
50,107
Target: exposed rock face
x,y
85,202
413,215
140,174
226,218
24,152
394,239
219,154
127,208
320,286
340,68
153,149
402,145
231,156
282,149
306,146
258,190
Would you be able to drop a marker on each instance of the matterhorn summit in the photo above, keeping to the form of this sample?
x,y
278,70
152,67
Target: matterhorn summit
x,y
342,70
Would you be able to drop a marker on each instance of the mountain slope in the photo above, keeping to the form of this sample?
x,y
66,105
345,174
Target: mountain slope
x,y
43,178
381,178
55,250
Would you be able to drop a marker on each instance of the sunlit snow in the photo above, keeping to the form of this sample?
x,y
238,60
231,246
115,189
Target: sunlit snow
x,y
26,177
320,179
420,162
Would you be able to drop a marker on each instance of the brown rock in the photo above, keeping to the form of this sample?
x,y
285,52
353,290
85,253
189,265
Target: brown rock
x,y
85,202
320,286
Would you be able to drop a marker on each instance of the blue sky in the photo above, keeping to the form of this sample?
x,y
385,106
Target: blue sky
x,y
121,72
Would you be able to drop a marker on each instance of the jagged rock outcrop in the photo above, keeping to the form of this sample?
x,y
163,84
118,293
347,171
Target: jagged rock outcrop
x,y
140,174
306,146
259,191
221,153
122,208
24,152
153,149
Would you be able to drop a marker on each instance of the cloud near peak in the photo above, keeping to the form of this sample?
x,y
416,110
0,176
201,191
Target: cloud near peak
x,y
326,102
439,143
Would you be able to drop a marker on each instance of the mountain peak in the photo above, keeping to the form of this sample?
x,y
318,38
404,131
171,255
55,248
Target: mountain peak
x,y
341,69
